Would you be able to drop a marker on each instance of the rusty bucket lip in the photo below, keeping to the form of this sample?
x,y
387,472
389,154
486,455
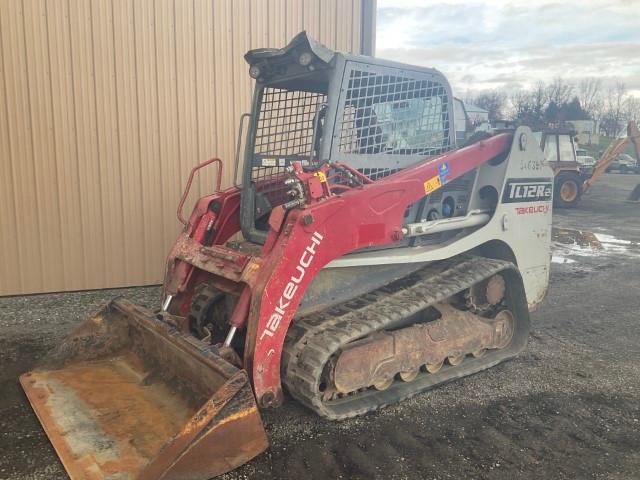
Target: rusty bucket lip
x,y
68,466
230,406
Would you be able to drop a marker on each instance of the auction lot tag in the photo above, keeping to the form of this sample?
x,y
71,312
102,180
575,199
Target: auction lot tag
x,y
432,184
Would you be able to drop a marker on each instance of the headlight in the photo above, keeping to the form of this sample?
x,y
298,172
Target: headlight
x,y
305,58
254,71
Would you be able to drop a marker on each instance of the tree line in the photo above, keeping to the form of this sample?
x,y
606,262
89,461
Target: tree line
x,y
559,101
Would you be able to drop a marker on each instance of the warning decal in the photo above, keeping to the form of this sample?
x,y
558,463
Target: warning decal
x,y
432,184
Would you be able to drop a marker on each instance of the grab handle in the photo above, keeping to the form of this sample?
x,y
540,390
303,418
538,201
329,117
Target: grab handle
x,y
190,181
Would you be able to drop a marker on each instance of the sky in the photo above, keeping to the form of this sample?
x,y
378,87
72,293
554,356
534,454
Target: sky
x,y
489,44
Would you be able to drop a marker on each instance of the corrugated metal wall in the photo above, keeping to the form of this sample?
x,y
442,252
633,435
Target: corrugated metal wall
x,y
105,106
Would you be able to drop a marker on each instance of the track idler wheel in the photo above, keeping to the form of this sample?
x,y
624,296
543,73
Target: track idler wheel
x,y
409,375
383,384
504,328
456,359
434,367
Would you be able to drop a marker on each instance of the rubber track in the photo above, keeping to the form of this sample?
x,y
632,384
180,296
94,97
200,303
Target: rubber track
x,y
312,340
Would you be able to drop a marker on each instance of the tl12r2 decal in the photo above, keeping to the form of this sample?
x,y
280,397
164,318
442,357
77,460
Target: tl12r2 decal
x,y
519,190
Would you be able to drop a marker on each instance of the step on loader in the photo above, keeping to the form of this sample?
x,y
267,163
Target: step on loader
x,y
361,258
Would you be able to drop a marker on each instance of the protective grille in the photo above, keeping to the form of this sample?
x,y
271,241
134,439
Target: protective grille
x,y
392,114
464,182
285,123
284,133
376,173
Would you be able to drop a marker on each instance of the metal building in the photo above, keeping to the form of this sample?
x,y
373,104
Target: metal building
x,y
105,106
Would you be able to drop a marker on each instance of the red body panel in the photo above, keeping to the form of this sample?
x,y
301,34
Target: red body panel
x,y
302,241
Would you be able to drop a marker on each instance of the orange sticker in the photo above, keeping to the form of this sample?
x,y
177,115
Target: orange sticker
x,y
432,184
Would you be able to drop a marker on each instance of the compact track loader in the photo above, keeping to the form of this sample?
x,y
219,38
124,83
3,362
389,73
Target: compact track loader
x,y
376,261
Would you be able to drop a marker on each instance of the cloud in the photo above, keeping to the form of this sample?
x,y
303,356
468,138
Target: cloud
x,y
499,44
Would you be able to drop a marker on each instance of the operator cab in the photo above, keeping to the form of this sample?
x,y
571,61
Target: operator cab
x,y
314,105
559,146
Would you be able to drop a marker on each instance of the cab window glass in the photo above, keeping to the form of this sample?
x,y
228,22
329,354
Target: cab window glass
x,y
551,149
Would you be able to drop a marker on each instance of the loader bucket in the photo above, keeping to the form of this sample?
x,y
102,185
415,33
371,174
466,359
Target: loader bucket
x,y
126,396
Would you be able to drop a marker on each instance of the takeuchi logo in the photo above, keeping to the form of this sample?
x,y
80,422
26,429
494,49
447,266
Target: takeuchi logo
x,y
291,287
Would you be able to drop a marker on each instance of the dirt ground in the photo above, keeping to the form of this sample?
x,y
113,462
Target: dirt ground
x,y
567,407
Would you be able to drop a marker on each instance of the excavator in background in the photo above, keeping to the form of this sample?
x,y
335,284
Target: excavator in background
x,y
573,178
376,261
614,149
559,147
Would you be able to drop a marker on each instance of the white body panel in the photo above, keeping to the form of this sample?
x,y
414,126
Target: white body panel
x,y
525,226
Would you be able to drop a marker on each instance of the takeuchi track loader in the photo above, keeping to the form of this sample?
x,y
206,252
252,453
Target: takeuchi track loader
x,y
375,261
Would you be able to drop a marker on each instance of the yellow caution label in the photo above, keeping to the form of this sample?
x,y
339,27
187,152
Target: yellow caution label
x,y
432,184
321,176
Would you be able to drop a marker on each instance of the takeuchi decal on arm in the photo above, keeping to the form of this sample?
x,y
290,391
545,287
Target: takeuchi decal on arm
x,y
291,287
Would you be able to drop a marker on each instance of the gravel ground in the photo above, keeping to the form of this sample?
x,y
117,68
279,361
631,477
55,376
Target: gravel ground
x,y
567,407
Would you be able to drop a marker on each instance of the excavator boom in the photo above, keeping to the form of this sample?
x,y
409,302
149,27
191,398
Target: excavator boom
x,y
613,150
